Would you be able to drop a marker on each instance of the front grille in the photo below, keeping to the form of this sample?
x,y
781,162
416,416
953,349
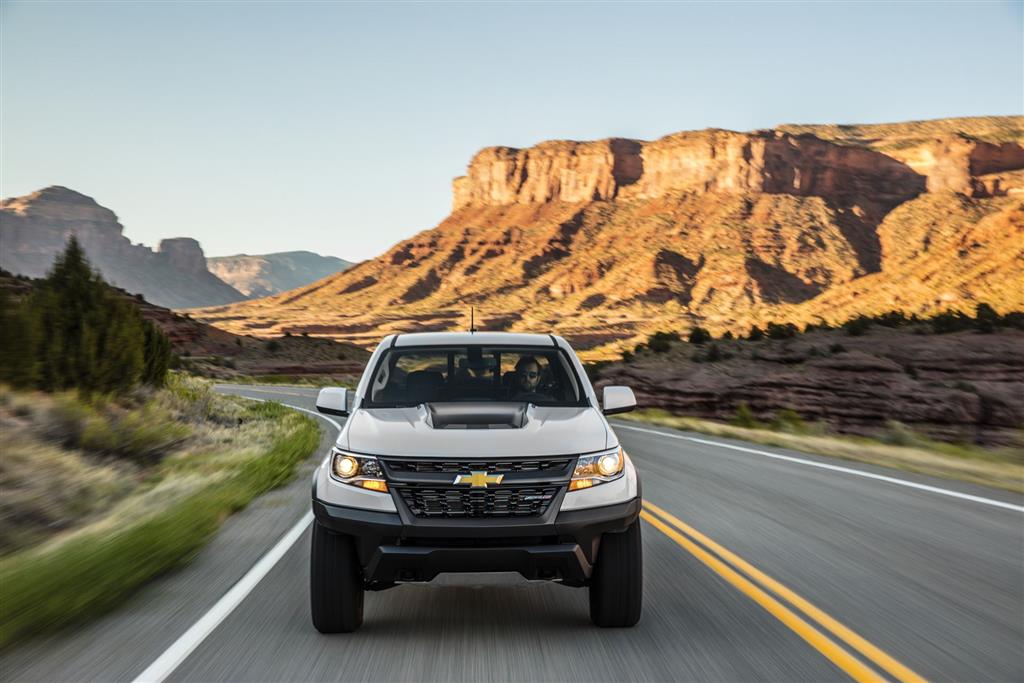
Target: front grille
x,y
506,501
492,466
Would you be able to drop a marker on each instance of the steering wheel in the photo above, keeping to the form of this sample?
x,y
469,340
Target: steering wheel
x,y
531,397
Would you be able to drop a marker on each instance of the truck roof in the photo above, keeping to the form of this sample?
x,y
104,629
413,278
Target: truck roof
x,y
486,338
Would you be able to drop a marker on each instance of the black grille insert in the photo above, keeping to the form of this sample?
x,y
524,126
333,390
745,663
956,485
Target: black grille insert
x,y
504,501
491,467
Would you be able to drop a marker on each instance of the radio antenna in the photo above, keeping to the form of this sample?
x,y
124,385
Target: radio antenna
x,y
472,320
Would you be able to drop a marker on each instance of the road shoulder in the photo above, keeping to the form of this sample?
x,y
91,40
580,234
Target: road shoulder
x,y
120,645
990,473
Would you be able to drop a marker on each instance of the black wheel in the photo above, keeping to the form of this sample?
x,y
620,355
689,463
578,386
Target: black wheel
x,y
617,585
335,583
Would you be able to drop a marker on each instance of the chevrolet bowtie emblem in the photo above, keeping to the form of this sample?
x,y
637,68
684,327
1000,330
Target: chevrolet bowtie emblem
x,y
479,480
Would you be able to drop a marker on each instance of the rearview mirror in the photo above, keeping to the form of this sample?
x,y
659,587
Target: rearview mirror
x,y
333,401
617,400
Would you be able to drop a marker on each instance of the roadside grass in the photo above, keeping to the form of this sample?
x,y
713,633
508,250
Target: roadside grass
x,y
68,458
237,450
291,380
1000,468
46,488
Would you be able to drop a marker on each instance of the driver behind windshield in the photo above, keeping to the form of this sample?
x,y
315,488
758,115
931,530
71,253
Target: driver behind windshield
x,y
527,380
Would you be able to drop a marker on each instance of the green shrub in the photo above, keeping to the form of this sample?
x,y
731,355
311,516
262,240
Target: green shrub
x,y
892,319
756,334
899,434
1014,320
102,426
855,327
986,319
950,321
745,417
66,420
698,335
140,435
781,331
660,342
789,421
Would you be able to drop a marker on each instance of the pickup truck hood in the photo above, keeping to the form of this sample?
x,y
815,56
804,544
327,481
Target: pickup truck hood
x,y
408,431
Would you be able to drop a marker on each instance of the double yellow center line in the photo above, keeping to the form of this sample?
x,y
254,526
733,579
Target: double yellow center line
x,y
760,588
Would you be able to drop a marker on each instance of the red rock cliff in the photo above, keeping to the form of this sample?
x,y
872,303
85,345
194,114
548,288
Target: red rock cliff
x,y
606,242
702,161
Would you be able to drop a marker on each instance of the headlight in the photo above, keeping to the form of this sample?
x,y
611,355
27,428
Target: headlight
x,y
358,470
599,468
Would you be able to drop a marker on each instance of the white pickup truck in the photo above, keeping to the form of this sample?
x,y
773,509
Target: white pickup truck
x,y
475,452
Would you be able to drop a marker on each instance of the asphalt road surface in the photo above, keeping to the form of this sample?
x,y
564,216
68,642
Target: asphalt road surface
x,y
760,564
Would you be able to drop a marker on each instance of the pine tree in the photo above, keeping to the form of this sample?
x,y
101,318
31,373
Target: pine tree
x,y
19,338
157,354
75,331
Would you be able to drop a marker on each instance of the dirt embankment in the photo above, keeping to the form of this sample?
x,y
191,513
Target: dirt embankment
x,y
965,386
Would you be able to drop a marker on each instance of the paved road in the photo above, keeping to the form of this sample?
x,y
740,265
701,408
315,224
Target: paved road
x,y
756,568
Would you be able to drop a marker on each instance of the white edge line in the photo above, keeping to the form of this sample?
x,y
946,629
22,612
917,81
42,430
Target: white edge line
x,y
173,656
186,644
835,468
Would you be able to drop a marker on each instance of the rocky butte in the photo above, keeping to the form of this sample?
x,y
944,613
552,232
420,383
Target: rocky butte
x,y
608,241
36,227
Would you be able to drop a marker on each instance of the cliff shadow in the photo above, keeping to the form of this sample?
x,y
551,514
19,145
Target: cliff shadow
x,y
778,285
861,185
628,162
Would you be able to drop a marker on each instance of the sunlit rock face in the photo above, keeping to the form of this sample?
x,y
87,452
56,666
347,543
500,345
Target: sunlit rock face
x,y
559,170
702,161
606,242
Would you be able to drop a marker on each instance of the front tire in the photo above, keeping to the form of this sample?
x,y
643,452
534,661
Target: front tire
x,y
335,582
616,586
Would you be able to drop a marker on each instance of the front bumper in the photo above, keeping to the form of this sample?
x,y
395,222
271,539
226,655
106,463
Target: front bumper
x,y
561,547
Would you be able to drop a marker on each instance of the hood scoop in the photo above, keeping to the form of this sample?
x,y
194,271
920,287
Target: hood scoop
x,y
489,415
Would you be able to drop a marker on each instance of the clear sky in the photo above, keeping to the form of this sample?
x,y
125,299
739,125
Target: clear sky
x,y
337,127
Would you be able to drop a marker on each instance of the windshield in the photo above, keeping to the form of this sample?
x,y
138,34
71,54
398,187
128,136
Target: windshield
x,y
414,375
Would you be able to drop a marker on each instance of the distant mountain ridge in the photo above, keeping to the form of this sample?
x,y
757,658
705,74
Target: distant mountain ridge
x,y
608,241
35,228
267,274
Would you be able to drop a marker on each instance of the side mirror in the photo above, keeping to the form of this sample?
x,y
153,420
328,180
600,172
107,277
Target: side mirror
x,y
617,400
333,401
